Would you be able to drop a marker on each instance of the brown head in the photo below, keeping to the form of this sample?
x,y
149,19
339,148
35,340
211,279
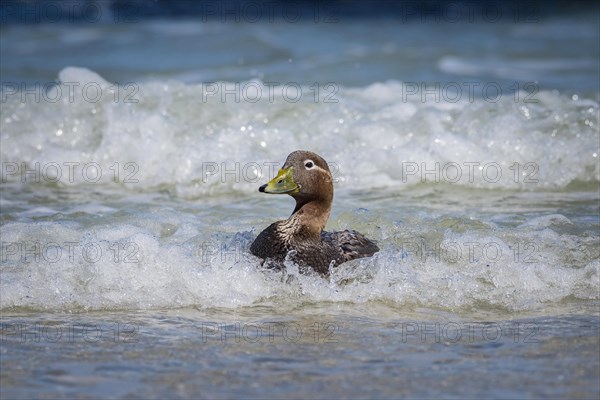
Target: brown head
x,y
306,177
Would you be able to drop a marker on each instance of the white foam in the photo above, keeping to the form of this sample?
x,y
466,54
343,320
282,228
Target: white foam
x,y
132,266
158,257
175,135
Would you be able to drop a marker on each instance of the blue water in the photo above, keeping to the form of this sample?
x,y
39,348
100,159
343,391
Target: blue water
x,y
466,145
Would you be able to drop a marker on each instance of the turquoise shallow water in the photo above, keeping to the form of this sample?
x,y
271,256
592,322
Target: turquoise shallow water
x,y
125,221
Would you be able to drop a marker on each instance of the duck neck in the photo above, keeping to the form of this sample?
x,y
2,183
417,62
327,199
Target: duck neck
x,y
312,216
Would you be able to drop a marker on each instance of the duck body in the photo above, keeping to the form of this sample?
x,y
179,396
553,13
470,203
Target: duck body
x,y
306,177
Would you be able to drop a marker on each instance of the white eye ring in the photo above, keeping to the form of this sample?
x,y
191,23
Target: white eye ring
x,y
309,164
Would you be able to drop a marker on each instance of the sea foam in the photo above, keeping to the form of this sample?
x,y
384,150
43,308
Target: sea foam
x,y
168,134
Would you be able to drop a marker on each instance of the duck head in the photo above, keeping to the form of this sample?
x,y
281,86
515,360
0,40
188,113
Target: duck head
x,y
306,177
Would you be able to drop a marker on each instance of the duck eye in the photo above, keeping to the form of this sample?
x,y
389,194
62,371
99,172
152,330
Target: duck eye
x,y
309,164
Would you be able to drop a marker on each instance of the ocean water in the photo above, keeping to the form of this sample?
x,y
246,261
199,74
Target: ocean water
x,y
131,157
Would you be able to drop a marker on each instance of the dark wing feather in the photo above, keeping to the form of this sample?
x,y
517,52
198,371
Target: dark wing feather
x,y
350,244
268,244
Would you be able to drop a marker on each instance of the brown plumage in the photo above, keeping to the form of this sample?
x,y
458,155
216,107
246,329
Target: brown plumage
x,y
306,177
